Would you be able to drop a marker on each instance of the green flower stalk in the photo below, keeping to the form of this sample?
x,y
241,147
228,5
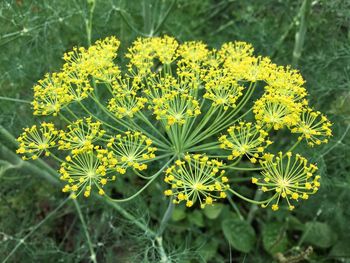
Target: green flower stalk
x,y
183,105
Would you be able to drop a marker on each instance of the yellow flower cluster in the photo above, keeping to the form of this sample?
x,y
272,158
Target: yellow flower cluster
x,y
80,136
95,61
276,111
73,83
192,58
133,149
50,94
144,51
237,58
221,88
36,140
176,99
245,139
125,101
314,127
170,101
87,170
289,177
196,178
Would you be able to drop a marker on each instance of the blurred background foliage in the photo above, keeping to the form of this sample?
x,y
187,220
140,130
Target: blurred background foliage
x,y
37,223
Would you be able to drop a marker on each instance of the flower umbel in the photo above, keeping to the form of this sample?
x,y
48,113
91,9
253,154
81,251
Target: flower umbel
x,y
80,136
288,177
87,170
36,140
245,139
177,98
50,95
221,88
133,149
314,127
126,102
277,111
196,178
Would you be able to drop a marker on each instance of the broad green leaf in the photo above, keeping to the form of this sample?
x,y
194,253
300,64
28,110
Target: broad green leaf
x,y
274,237
178,214
196,218
341,249
319,234
213,211
207,248
239,233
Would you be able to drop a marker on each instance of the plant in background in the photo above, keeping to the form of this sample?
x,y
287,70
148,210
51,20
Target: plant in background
x,y
190,108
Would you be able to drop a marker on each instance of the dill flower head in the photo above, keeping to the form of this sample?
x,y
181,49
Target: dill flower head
x,y
171,102
221,88
125,101
284,81
86,171
177,98
235,51
245,139
277,111
141,55
196,178
237,58
95,61
314,127
50,95
165,48
193,52
176,108
36,140
80,136
133,149
288,177
73,82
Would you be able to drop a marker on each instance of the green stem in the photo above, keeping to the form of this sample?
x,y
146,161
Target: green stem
x,y
205,147
88,21
163,256
100,120
145,119
247,199
64,118
143,188
88,239
147,16
158,142
292,147
130,25
253,207
165,16
58,159
202,123
301,33
14,100
124,124
166,217
242,168
232,203
225,122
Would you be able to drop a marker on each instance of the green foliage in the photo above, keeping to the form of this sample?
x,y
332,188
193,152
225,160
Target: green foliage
x,y
319,234
33,36
274,237
239,233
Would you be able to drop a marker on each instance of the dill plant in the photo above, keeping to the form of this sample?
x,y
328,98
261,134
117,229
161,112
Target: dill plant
x,y
186,106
